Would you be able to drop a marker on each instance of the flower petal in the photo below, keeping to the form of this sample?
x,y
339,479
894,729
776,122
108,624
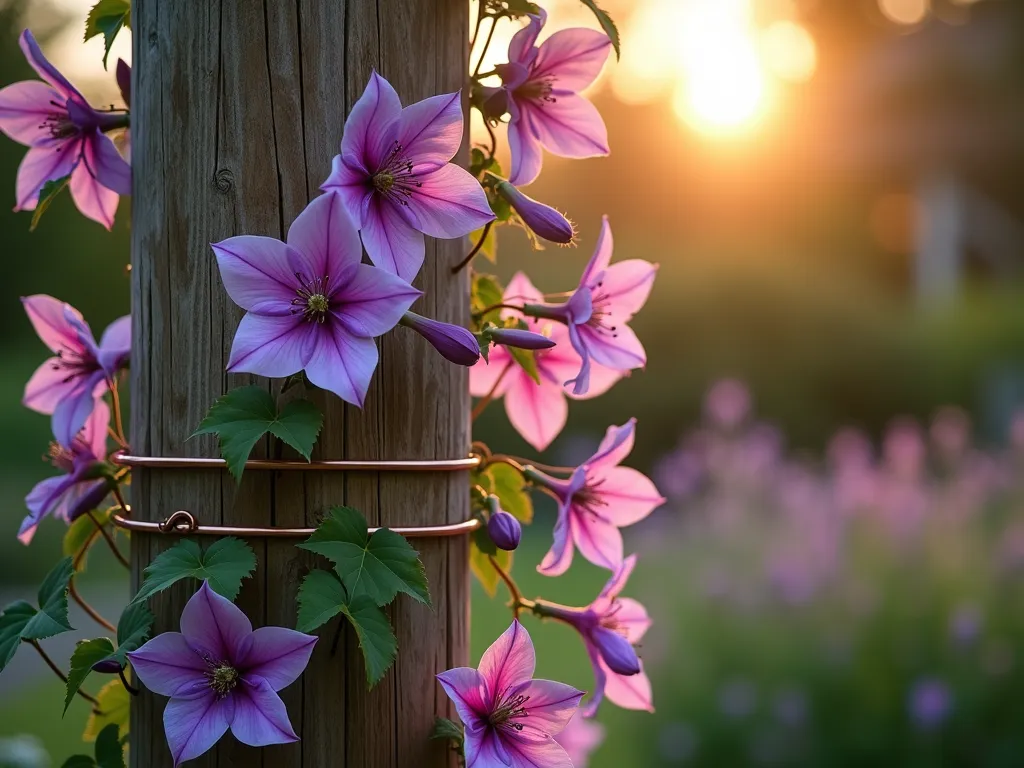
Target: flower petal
x,y
581,382
93,200
342,363
622,351
598,541
46,70
628,284
49,318
214,624
430,131
573,57
524,145
568,126
484,749
537,411
631,496
549,706
365,136
390,241
261,718
601,673
48,386
167,664
115,345
24,107
520,288
615,584
449,203
353,185
111,170
615,446
520,49
193,726
536,754
277,655
257,273
629,691
468,691
82,497
41,501
376,299
273,346
601,257
325,235
94,433
40,165
72,413
491,374
509,661
559,557
631,615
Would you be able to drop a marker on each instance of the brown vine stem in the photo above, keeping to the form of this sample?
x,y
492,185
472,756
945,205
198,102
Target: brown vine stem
x,y
485,310
57,671
476,249
517,596
106,534
93,613
501,458
127,686
487,44
486,399
115,399
545,467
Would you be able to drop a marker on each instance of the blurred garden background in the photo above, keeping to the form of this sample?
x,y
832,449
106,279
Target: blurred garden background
x,y
833,397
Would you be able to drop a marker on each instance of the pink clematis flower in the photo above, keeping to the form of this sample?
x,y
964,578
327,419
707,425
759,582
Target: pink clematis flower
x,y
221,674
599,498
598,311
69,384
537,410
65,136
396,180
84,481
580,739
610,627
511,718
542,85
310,304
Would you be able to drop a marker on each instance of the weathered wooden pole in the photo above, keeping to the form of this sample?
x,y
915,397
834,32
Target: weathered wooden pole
x,y
238,107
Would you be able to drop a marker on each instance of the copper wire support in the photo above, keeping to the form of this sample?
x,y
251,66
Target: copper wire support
x,y
184,523
175,462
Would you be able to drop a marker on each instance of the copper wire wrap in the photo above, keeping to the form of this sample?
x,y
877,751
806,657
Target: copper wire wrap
x,y
184,523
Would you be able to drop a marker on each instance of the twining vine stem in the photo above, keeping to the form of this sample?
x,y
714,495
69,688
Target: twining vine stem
x,y
127,686
106,534
93,613
476,249
57,671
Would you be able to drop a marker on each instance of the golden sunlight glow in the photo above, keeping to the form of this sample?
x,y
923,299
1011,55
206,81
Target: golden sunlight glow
x,y
904,11
789,51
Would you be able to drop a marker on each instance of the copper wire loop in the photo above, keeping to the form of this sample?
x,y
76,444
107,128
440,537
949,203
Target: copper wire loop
x,y
183,462
184,523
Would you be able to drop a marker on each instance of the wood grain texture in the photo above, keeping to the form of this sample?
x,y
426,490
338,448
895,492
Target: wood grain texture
x,y
238,108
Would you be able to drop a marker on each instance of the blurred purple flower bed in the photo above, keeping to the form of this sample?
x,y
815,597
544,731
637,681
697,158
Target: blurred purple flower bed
x,y
861,608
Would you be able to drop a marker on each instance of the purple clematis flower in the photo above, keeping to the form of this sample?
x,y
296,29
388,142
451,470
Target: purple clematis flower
x,y
599,498
310,304
598,311
610,627
396,180
511,718
221,674
542,86
84,481
580,739
69,384
65,136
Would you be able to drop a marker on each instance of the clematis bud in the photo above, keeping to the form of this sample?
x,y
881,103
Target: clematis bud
x,y
123,73
515,337
109,666
505,530
454,342
616,651
544,220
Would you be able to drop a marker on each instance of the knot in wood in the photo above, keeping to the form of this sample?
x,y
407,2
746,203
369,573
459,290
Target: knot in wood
x,y
224,180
